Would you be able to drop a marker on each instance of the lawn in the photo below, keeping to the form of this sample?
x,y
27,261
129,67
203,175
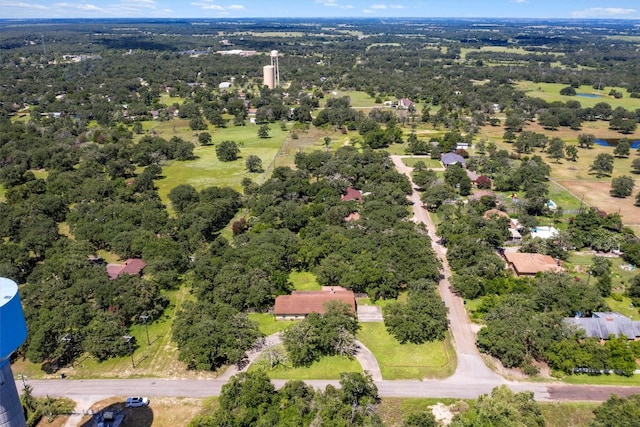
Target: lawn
x,y
304,281
431,163
407,361
620,276
568,414
207,170
327,368
358,99
268,324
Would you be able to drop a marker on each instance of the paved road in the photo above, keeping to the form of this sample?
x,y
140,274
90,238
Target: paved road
x,y
470,367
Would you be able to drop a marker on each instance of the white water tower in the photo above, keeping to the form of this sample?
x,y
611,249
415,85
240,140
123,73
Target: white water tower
x,y
276,67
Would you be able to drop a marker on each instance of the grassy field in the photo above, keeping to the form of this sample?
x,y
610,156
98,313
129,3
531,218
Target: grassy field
x,y
407,361
550,92
208,171
327,368
568,414
358,99
505,49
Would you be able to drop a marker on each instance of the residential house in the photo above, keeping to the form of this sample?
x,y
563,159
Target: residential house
x,y
132,266
449,159
525,264
405,103
603,324
352,194
301,303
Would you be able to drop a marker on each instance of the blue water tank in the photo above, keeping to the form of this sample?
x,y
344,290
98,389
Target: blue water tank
x,y
13,327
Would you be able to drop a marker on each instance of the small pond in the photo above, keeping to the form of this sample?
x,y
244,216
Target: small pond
x,y
589,95
612,142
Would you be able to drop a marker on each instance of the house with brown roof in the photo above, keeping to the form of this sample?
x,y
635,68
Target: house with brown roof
x,y
301,303
352,194
525,264
132,266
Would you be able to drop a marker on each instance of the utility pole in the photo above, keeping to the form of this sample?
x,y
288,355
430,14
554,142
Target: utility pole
x,y
128,339
144,318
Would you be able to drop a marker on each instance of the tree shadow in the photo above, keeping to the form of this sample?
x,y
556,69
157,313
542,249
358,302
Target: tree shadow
x,y
116,414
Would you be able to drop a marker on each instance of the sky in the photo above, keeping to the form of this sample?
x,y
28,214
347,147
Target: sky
x,y
625,9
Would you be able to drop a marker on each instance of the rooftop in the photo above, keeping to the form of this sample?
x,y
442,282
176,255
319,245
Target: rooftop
x,y
530,264
305,302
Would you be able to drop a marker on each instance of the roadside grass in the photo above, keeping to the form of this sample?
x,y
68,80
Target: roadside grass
x,y
550,92
207,170
431,163
327,368
304,281
604,379
268,324
408,361
402,297
568,414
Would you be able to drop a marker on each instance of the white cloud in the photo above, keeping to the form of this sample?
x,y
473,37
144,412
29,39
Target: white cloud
x,y
519,1
209,5
82,6
235,7
333,3
379,6
386,6
603,12
368,11
22,5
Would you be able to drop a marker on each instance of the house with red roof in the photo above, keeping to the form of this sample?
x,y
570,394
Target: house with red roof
x,y
352,194
301,303
132,266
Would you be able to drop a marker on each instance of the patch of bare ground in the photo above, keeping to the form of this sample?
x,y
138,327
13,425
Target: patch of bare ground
x,y
515,374
597,194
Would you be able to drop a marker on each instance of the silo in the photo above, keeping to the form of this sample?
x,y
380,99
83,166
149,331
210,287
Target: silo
x,y
13,332
268,72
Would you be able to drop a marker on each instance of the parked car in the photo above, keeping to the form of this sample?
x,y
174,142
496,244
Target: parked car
x,y
135,402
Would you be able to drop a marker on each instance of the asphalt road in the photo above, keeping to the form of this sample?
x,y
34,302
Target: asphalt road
x,y
471,378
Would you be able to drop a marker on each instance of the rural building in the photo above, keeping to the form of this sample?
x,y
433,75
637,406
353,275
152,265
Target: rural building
x,y
525,264
449,159
405,103
352,194
603,324
301,303
132,266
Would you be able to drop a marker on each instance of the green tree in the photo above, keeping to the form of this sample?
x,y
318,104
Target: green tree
x,y
602,165
503,408
623,148
245,399
571,152
227,151
182,196
556,149
421,419
263,131
618,412
586,140
635,165
422,318
197,123
436,195
204,138
622,186
254,164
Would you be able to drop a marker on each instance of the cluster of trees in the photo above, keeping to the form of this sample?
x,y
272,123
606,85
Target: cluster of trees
x,y
250,399
331,333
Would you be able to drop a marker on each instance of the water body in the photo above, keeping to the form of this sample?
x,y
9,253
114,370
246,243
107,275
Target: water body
x,y
612,142
589,95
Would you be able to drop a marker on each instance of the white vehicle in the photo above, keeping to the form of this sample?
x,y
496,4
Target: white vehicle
x,y
135,402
